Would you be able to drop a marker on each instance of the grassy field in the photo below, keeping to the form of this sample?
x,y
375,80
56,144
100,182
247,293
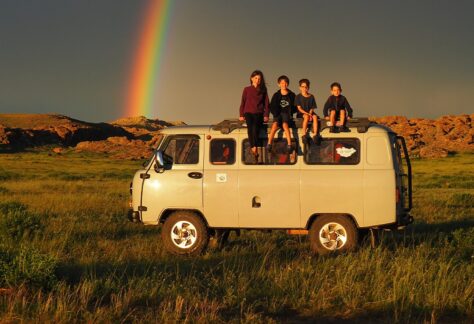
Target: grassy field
x,y
67,253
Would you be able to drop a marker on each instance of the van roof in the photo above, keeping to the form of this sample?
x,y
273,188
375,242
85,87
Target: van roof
x,y
362,124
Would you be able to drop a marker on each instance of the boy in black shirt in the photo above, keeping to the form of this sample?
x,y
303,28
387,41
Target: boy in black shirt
x,y
337,108
281,107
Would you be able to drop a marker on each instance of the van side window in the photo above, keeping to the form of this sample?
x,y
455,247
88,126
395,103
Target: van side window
x,y
345,151
278,156
182,150
222,151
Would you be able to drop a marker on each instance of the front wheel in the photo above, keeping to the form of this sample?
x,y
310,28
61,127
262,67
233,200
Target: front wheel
x,y
332,234
184,233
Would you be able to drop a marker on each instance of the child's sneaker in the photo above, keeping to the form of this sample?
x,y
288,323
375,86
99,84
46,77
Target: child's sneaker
x,y
305,139
317,139
344,129
333,129
289,149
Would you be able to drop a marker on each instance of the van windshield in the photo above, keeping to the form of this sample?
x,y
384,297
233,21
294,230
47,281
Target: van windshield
x,y
157,144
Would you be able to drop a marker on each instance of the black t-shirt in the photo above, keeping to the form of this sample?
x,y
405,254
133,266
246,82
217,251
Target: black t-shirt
x,y
282,103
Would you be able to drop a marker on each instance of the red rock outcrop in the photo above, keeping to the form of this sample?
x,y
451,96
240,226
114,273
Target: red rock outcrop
x,y
125,138
433,138
136,137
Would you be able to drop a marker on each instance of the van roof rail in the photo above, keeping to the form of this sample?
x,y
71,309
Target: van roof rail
x,y
228,125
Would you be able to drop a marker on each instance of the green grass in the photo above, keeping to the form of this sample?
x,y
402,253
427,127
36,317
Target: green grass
x,y
73,256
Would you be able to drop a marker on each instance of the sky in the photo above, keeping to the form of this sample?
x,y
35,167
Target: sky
x,y
76,57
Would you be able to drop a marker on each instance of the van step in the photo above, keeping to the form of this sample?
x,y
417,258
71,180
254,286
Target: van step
x,y
297,232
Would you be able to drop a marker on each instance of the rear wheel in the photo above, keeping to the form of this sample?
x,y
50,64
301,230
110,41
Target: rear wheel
x,y
184,233
332,234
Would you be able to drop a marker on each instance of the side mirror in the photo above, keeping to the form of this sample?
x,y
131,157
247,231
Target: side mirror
x,y
159,162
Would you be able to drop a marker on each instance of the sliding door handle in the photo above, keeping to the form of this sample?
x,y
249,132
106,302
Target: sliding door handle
x,y
195,175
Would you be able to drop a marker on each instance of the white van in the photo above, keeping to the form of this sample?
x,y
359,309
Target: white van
x,y
203,180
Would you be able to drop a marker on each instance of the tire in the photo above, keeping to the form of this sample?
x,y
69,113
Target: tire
x,y
184,233
333,234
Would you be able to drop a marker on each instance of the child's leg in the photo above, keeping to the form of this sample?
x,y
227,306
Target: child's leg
x,y
272,132
315,124
332,117
287,133
305,124
343,117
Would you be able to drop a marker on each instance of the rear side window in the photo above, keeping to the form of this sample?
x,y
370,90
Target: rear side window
x,y
222,151
339,151
182,150
279,154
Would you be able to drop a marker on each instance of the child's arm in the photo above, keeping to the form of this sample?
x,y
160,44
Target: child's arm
x,y
274,105
314,105
266,109
348,108
327,105
242,105
300,109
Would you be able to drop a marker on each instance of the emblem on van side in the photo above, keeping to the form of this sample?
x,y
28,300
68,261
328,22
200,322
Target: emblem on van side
x,y
221,177
345,152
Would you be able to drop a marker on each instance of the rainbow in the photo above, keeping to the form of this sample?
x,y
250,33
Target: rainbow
x,y
148,59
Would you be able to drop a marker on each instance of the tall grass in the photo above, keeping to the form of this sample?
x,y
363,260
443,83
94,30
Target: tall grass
x,y
93,265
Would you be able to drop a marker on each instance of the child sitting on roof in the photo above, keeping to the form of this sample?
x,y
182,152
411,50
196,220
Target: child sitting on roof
x,y
337,110
306,105
281,107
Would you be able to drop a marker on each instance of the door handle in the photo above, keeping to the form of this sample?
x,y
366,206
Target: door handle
x,y
195,175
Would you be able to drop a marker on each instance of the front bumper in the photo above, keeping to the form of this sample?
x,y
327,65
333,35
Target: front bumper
x,y
134,216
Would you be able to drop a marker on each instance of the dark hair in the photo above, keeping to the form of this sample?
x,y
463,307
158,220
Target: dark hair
x,y
336,84
304,81
283,77
263,87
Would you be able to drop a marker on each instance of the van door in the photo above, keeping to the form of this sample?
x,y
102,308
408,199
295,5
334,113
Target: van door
x,y
269,192
221,180
180,184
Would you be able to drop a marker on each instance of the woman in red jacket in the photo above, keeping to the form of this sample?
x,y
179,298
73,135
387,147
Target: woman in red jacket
x,y
254,108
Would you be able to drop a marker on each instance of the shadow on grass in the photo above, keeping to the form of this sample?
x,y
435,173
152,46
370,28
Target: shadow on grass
x,y
444,227
435,235
215,261
385,314
115,232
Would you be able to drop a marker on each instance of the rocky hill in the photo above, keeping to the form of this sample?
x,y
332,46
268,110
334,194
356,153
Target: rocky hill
x,y
433,138
135,137
125,138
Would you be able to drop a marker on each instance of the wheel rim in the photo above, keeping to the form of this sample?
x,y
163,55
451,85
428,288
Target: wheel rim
x,y
183,234
333,236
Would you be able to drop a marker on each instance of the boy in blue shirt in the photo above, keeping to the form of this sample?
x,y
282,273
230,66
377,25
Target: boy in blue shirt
x,y
306,104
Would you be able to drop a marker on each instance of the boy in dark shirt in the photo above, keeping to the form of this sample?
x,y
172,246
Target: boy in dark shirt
x,y
305,103
337,110
281,107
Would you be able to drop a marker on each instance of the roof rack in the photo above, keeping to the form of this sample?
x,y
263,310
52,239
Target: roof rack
x,y
228,125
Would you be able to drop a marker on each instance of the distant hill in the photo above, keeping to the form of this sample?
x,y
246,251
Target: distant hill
x,y
124,138
135,137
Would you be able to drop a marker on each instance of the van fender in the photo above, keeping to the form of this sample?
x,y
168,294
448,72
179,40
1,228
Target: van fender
x,y
313,217
167,212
